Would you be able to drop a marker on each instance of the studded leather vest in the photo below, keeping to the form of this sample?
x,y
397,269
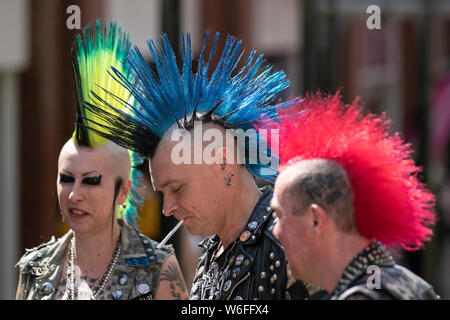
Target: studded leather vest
x,y
252,267
135,275
374,275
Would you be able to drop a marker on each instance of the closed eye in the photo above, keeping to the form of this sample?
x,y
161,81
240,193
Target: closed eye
x,y
178,189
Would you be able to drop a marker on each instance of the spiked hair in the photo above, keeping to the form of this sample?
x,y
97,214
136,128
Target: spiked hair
x,y
166,96
390,203
93,52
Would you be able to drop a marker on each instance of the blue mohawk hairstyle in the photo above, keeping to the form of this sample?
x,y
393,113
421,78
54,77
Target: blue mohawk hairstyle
x,y
165,97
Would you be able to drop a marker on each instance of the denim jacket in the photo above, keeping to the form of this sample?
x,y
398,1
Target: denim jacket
x,y
135,275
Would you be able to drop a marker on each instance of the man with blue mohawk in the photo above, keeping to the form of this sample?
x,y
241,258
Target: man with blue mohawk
x,y
103,255
197,130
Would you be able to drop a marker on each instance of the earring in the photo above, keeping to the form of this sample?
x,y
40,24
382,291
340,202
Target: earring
x,y
228,180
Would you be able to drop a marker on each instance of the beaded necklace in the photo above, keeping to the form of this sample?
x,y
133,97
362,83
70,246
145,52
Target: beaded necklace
x,y
70,288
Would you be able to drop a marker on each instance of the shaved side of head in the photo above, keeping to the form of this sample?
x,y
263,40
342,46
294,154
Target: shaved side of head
x,y
325,183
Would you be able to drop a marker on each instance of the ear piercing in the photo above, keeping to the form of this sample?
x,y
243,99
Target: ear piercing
x,y
228,180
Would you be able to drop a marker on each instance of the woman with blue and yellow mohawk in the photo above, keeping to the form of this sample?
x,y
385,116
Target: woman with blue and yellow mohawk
x,y
103,256
209,187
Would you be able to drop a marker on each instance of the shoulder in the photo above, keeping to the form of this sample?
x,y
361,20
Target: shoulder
x,y
163,253
139,250
170,283
395,283
35,259
404,284
362,292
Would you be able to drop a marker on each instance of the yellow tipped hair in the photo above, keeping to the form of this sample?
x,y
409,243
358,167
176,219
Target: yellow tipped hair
x,y
92,57
95,51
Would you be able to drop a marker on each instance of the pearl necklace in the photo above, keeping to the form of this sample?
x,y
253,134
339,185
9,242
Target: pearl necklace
x,y
70,287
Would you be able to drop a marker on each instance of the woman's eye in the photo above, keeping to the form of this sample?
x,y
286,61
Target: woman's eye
x,y
177,189
93,181
63,178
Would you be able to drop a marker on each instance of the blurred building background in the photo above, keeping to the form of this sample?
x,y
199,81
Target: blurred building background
x,y
402,69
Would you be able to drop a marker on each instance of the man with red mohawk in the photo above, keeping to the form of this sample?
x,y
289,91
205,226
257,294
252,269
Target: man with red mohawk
x,y
346,189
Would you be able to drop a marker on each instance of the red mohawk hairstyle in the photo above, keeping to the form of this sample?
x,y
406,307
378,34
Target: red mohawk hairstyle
x,y
391,204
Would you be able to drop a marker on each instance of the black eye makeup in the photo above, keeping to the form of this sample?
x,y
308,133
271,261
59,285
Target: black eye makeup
x,y
93,181
64,178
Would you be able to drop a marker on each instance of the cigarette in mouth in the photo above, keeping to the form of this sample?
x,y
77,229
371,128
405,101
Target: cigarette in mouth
x,y
169,235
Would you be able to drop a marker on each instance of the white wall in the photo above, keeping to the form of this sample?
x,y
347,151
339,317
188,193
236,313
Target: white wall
x,y
140,18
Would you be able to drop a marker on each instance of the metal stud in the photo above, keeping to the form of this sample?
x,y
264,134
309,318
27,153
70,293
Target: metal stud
x,y
272,256
45,288
260,289
272,291
271,267
277,263
263,275
274,278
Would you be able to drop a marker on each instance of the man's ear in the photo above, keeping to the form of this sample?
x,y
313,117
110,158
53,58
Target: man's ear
x,y
319,218
124,190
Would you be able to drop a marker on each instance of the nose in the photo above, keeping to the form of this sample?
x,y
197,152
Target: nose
x,y
169,207
76,194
